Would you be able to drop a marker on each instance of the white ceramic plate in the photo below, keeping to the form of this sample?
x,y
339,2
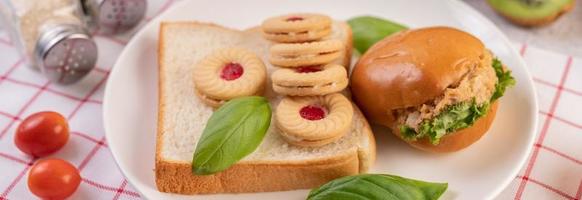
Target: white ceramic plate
x,y
479,172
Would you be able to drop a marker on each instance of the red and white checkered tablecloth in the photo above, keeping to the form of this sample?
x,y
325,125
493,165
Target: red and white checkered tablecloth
x,y
553,170
24,91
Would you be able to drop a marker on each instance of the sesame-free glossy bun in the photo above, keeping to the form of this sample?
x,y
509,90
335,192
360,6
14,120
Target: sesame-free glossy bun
x,y
414,67
411,68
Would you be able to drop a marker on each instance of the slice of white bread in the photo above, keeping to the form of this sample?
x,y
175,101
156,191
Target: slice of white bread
x,y
275,165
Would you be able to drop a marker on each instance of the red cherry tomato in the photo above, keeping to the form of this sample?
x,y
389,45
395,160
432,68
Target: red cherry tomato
x,y
53,179
42,133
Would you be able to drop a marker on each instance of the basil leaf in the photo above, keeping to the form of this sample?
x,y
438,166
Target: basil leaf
x,y
234,131
377,186
368,30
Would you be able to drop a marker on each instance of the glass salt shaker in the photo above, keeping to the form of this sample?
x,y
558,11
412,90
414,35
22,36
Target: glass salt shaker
x,y
114,16
52,36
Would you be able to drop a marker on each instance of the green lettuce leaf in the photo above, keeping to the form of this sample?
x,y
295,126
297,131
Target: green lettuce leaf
x,y
461,115
453,118
407,132
504,80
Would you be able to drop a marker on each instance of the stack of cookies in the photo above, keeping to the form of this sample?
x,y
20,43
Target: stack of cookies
x,y
313,113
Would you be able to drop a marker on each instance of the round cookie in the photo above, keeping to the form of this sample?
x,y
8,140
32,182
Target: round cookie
x,y
315,120
229,73
299,27
310,80
306,54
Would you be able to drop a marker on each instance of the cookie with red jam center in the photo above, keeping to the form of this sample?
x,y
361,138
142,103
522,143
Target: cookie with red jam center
x,y
229,73
310,80
314,121
297,27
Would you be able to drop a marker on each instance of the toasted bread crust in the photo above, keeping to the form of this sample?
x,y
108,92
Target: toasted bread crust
x,y
161,100
177,177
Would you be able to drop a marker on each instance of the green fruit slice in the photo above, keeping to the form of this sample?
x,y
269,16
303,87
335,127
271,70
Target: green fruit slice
x,y
529,9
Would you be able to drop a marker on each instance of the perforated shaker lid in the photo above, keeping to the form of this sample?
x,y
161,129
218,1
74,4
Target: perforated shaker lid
x,y
65,53
115,16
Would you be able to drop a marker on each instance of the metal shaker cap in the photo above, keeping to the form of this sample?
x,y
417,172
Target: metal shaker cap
x,y
65,53
115,16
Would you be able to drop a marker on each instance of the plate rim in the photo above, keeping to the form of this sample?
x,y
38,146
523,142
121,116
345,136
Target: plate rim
x,y
534,117
455,3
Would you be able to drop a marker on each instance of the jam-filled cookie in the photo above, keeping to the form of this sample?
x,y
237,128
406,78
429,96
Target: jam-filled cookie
x,y
305,54
229,73
314,121
300,27
310,80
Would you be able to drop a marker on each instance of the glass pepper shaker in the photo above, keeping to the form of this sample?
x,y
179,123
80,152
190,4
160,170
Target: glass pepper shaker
x,y
52,36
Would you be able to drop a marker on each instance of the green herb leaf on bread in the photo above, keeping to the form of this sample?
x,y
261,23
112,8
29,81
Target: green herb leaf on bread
x,y
233,131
